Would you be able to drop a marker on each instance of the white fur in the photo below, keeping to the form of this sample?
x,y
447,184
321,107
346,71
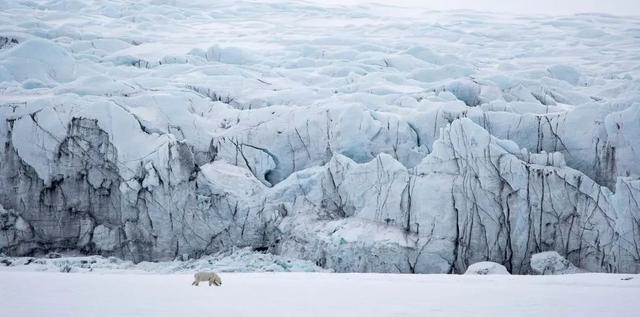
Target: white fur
x,y
211,277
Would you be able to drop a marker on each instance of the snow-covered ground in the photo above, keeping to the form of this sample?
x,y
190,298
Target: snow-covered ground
x,y
28,294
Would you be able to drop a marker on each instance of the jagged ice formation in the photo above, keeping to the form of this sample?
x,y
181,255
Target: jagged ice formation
x,y
372,139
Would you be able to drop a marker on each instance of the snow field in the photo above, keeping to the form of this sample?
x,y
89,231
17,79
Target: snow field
x,y
27,294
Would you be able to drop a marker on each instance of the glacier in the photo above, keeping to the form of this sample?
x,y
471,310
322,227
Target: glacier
x,y
367,138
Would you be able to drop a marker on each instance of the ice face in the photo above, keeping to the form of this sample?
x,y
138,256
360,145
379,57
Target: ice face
x,y
360,139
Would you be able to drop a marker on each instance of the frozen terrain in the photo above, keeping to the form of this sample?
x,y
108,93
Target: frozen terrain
x,y
368,139
241,260
318,294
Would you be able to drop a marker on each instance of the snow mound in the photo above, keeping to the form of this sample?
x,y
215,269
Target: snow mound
x,y
39,60
486,268
552,263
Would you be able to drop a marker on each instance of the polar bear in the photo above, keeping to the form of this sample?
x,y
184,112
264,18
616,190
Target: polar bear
x,y
212,277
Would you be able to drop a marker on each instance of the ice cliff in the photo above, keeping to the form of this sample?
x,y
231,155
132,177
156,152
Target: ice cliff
x,y
362,139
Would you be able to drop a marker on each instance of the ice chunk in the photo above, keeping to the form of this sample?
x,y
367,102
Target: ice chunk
x,y
565,72
552,263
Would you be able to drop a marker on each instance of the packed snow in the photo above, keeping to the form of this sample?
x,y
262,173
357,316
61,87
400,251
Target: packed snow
x,y
28,294
486,268
369,138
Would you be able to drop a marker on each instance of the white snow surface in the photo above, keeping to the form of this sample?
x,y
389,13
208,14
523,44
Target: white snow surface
x,y
486,268
367,138
28,294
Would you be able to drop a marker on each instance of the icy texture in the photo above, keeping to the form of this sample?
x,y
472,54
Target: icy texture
x,y
552,263
486,268
372,139
240,260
